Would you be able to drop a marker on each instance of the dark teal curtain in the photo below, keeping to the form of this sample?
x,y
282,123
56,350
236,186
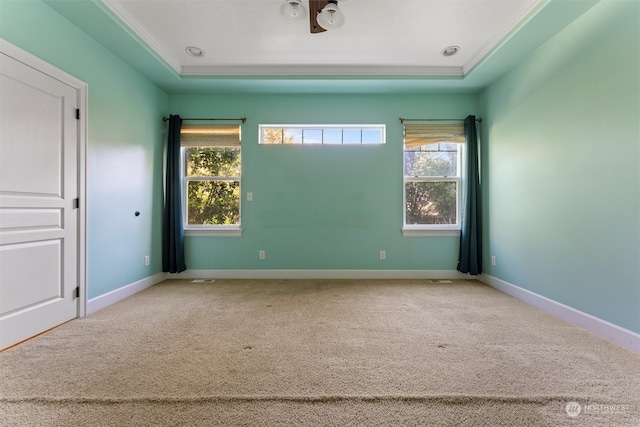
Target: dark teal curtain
x,y
172,228
470,256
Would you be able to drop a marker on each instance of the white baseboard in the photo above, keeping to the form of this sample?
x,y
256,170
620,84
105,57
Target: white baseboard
x,y
595,325
98,303
320,274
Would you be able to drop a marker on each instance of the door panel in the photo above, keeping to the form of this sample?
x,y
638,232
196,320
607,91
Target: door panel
x,y
45,282
39,171
34,115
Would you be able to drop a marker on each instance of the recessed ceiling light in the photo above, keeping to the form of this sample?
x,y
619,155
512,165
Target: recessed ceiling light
x,y
450,51
194,51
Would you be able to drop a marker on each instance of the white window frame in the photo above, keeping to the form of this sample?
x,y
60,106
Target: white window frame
x,y
443,230
380,127
208,230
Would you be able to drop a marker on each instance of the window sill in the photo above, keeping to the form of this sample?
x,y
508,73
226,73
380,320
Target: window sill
x,y
431,232
213,232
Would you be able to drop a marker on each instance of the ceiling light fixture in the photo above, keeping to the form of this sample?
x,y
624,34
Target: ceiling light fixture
x,y
323,14
293,10
330,16
194,51
450,51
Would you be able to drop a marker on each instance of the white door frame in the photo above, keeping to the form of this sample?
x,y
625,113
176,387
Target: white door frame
x,y
82,89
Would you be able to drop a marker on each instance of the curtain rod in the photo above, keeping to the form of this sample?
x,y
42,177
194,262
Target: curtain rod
x,y
243,119
479,120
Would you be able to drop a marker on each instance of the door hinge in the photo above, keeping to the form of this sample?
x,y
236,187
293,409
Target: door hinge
x,y
76,203
77,114
76,292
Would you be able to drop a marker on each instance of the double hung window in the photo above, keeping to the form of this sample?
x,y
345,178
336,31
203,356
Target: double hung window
x,y
211,171
433,165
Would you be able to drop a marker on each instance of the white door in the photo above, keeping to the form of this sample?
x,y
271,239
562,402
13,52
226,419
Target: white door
x,y
39,177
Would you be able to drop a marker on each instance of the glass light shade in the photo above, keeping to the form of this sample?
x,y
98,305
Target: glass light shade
x,y
330,17
293,10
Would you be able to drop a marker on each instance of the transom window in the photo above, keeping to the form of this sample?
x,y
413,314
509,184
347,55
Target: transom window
x,y
322,134
433,158
211,170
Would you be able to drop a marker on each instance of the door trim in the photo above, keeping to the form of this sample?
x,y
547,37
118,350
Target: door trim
x,y
82,89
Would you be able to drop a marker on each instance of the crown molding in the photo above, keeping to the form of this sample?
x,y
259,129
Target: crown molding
x,y
517,21
321,70
138,30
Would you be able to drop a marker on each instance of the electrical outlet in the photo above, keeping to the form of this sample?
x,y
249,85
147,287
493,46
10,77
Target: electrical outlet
x,y
383,254
249,196
147,261
262,254
493,261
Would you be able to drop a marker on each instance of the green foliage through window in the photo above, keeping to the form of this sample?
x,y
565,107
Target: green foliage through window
x,y
212,176
213,202
431,202
432,173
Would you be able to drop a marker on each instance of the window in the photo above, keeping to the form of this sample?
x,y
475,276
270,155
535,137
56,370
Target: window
x,y
433,158
211,185
325,134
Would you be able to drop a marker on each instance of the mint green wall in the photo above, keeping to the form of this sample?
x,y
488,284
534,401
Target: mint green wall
x,y
322,207
125,139
562,167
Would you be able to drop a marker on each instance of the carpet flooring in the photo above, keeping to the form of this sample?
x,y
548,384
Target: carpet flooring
x,y
319,353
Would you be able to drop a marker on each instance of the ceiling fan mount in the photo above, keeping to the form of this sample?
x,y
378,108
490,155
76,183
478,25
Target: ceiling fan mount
x,y
323,14
315,7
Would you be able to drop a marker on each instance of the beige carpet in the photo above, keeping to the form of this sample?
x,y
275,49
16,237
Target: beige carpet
x,y
319,352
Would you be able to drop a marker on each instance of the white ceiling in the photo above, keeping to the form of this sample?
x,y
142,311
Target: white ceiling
x,y
385,46
380,37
